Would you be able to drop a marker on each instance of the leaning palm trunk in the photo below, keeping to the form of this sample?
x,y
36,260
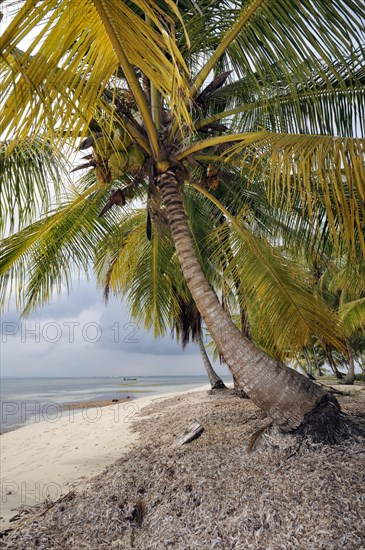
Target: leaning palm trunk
x,y
332,363
285,395
350,375
308,361
215,381
316,362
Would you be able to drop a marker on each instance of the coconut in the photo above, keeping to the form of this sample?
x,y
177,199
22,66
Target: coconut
x,y
136,158
118,163
121,139
103,147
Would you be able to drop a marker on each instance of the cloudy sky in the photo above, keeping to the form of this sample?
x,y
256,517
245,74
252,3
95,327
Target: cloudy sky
x,y
80,336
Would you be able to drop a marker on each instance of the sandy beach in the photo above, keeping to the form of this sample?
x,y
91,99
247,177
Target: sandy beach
x,y
47,459
137,489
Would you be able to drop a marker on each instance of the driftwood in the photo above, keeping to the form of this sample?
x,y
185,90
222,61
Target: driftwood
x,y
192,432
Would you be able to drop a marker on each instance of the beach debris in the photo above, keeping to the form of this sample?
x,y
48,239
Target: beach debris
x,y
138,512
192,432
256,436
29,514
5,532
263,499
136,518
15,518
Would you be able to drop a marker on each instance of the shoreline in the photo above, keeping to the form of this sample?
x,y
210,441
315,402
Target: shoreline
x,y
47,459
33,402
64,407
94,404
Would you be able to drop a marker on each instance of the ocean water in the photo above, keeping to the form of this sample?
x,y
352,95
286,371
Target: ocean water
x,y
26,400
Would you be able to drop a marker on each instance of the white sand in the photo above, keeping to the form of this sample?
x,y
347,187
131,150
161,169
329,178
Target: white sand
x,y
50,458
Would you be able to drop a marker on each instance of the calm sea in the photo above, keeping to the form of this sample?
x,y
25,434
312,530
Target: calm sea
x,y
25,400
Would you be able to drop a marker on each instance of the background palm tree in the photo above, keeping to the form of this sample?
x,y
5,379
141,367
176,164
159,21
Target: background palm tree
x,y
343,288
147,274
188,326
151,123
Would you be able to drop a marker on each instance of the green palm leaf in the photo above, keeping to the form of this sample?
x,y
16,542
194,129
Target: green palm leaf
x,y
145,272
32,175
324,170
82,47
43,256
353,314
277,293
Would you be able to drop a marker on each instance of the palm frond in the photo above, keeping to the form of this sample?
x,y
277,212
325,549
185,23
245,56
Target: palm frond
x,y
279,39
48,91
348,278
54,90
41,258
325,171
330,106
32,174
352,314
203,217
278,294
146,273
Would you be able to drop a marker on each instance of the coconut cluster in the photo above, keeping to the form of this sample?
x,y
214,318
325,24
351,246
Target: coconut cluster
x,y
121,154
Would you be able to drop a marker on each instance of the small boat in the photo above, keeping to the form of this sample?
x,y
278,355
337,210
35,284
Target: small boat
x,y
126,378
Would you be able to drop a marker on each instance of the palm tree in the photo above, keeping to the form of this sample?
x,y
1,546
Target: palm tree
x,y
288,95
188,326
343,288
147,273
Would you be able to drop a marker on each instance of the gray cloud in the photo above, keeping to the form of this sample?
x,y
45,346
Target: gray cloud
x,y
78,335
